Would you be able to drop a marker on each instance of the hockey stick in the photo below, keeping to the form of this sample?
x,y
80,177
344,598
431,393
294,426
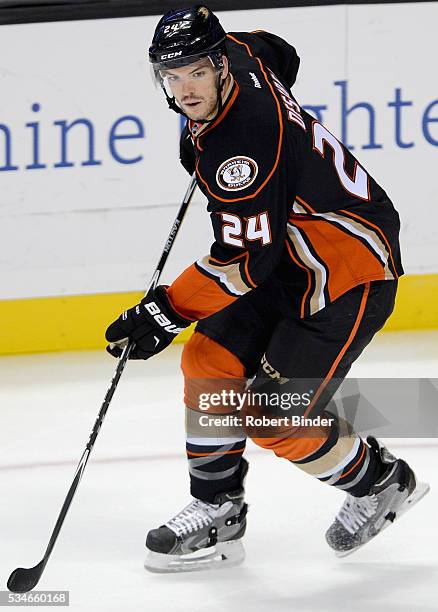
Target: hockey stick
x,y
25,579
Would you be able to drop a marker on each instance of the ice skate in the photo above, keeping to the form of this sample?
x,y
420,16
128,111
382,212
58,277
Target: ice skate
x,y
360,519
202,535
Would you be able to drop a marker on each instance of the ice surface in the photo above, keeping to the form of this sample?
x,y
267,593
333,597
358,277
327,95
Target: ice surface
x,y
136,479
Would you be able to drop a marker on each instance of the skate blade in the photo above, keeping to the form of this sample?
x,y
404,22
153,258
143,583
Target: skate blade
x,y
420,491
223,554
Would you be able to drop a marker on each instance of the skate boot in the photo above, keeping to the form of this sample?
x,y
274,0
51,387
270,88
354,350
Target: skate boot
x,y
202,535
361,518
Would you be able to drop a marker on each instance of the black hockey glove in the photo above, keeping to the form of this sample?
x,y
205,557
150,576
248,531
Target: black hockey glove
x,y
152,324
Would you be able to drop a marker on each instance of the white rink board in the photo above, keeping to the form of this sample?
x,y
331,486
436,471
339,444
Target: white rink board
x,y
100,227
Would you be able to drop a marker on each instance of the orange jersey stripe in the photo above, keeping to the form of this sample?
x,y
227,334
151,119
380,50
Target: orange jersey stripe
x,y
349,262
351,214
195,296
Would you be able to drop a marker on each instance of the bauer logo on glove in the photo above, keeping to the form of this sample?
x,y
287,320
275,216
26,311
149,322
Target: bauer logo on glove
x,y
161,319
152,325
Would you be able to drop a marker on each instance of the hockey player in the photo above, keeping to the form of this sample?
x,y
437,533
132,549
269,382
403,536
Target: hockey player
x,y
301,274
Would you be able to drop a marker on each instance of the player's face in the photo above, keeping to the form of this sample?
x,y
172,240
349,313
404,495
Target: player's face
x,y
195,88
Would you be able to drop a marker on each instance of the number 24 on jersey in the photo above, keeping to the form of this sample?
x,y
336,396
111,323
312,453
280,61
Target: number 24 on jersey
x,y
235,229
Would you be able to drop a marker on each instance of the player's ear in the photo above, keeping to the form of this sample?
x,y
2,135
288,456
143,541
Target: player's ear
x,y
226,70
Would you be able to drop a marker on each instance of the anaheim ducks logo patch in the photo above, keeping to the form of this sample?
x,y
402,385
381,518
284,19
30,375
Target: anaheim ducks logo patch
x,y
236,173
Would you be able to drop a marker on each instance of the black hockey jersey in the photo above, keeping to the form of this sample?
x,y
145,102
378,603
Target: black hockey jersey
x,y
286,198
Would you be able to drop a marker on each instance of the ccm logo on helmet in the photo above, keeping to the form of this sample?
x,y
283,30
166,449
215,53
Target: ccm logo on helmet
x,y
161,319
170,55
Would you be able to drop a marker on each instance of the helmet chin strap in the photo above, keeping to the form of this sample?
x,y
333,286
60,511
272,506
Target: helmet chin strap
x,y
174,106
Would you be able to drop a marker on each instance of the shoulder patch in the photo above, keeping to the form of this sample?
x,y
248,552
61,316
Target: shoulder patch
x,y
237,173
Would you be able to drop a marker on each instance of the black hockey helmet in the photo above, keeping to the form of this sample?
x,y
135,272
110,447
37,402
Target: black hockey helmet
x,y
185,35
182,37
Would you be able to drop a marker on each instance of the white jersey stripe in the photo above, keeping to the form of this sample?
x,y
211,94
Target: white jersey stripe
x,y
317,300
221,276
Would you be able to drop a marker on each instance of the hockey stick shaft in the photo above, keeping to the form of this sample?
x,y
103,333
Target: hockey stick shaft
x,y
25,579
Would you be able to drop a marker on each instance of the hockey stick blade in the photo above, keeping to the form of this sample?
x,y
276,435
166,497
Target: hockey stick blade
x,y
24,579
